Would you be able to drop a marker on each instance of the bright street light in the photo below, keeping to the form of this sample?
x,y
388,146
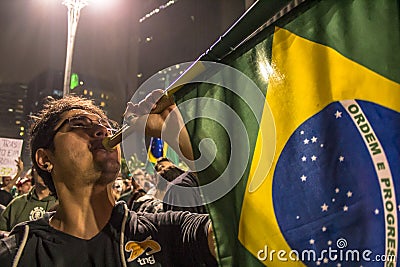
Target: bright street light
x,y
74,8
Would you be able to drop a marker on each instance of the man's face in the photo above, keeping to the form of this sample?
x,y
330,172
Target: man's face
x,y
163,166
6,180
127,184
26,187
118,185
139,178
79,152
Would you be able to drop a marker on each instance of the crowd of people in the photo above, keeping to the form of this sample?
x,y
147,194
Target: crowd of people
x,y
31,200
80,211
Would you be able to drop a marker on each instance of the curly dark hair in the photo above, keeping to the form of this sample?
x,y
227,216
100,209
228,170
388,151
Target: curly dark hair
x,y
42,129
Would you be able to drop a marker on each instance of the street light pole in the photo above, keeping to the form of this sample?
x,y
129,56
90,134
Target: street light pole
x,y
74,9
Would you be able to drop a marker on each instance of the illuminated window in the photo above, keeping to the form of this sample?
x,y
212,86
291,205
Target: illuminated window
x,y
90,93
102,104
85,92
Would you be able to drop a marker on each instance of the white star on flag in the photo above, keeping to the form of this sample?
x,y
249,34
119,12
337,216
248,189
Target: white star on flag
x,y
303,178
314,139
314,158
349,194
306,141
341,158
345,208
304,158
338,114
324,207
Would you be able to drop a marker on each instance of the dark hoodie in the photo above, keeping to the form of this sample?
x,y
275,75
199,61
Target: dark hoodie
x,y
26,207
128,239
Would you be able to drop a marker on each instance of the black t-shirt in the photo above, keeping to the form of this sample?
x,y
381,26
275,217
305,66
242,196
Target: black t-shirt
x,y
65,250
148,240
5,197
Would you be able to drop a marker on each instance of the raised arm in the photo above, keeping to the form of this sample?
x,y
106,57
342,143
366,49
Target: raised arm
x,y
20,168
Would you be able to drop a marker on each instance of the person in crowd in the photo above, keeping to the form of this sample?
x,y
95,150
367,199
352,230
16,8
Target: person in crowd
x,y
89,228
8,183
127,185
149,182
132,192
117,188
23,185
147,186
127,189
139,177
180,188
165,196
29,206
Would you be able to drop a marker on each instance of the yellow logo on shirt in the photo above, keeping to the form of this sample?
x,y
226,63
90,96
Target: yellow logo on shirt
x,y
138,248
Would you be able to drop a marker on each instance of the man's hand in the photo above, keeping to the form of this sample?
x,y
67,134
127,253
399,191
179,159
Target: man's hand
x,y
20,168
157,106
160,117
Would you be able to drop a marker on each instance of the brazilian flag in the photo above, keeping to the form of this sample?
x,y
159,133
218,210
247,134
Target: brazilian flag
x,y
157,149
321,180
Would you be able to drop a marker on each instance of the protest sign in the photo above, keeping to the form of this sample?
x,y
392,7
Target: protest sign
x,y
10,150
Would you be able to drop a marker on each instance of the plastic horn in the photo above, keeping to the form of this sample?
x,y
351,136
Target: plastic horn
x,y
111,142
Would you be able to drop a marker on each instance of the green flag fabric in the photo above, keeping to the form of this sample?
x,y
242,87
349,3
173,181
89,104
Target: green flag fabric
x,y
304,157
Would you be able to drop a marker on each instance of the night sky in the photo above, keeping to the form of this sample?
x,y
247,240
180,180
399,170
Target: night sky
x,y
34,36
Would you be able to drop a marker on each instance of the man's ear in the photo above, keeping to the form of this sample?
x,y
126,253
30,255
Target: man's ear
x,y
42,157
